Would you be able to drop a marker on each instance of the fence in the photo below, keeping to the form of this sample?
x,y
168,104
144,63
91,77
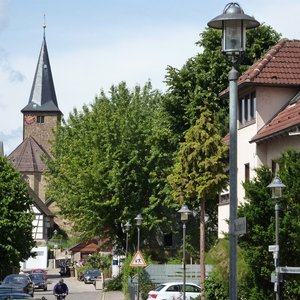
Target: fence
x,y
169,273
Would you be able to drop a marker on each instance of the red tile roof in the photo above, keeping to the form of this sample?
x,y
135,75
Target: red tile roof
x,y
27,157
286,120
279,66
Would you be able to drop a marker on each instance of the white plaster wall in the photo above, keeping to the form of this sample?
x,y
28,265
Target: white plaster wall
x,y
223,217
268,102
246,155
277,146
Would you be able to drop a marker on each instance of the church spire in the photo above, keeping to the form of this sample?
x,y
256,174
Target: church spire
x,y
42,97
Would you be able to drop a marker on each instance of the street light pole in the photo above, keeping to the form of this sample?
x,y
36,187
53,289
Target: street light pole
x,y
233,23
276,185
184,215
127,228
139,220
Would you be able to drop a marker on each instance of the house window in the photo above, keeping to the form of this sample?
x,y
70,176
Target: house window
x,y
247,109
247,172
274,167
40,119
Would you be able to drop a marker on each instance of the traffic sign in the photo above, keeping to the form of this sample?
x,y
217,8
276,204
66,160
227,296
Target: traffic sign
x,y
273,248
290,270
240,226
138,260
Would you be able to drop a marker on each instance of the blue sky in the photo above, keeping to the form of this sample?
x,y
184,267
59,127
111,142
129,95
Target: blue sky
x,y
93,44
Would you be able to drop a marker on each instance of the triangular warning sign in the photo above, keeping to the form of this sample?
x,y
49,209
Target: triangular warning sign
x,y
138,260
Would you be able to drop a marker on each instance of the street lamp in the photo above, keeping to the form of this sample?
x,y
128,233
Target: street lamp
x,y
276,185
127,228
233,23
139,220
184,216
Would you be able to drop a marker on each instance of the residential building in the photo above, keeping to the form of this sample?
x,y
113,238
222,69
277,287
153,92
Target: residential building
x,y
268,118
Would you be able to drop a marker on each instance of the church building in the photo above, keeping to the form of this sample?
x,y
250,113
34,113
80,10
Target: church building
x,y
40,117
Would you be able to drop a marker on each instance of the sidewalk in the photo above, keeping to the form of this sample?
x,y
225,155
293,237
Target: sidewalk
x,y
112,296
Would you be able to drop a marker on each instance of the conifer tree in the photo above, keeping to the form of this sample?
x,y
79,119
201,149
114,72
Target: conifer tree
x,y
200,170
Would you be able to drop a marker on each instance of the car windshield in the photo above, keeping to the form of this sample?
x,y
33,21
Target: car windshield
x,y
38,271
36,277
14,280
160,287
93,272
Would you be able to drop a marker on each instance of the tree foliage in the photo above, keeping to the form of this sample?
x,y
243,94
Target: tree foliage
x,y
16,240
205,75
199,173
259,211
109,163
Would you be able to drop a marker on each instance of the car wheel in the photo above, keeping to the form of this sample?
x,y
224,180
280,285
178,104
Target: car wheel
x,y
45,288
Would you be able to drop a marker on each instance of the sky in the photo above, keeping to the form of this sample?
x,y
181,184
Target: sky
x,y
94,44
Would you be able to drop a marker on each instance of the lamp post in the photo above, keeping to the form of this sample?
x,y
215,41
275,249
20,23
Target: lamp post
x,y
139,220
276,185
233,23
184,216
127,228
55,246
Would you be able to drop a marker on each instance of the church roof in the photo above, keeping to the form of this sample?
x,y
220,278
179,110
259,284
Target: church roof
x,y
27,157
42,97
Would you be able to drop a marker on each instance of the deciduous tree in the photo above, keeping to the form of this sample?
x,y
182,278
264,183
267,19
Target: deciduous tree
x,y
16,240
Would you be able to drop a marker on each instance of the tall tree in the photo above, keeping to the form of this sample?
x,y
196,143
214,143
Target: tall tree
x,y
109,164
259,211
205,75
199,173
16,240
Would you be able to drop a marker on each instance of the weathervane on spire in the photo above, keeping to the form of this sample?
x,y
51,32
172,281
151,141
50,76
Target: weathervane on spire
x,y
44,25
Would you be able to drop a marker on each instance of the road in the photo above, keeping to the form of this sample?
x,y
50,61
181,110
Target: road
x,y
78,290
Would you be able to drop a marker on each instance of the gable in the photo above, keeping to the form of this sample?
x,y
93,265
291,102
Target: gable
x,y
286,120
85,247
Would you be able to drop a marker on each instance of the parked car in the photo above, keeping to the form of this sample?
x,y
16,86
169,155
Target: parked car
x,y
19,296
9,296
20,282
173,290
39,281
40,271
90,275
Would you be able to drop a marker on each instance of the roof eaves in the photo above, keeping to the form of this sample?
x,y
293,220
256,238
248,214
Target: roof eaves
x,y
259,140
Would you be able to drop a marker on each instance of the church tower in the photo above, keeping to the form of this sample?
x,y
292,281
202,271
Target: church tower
x,y
40,117
41,114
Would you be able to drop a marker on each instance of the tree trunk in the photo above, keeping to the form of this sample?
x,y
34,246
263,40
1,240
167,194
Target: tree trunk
x,y
202,246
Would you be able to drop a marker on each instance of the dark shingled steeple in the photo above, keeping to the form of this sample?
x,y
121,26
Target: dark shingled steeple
x,y
42,96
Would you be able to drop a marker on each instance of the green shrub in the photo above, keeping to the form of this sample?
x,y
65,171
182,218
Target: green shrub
x,y
214,290
114,284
